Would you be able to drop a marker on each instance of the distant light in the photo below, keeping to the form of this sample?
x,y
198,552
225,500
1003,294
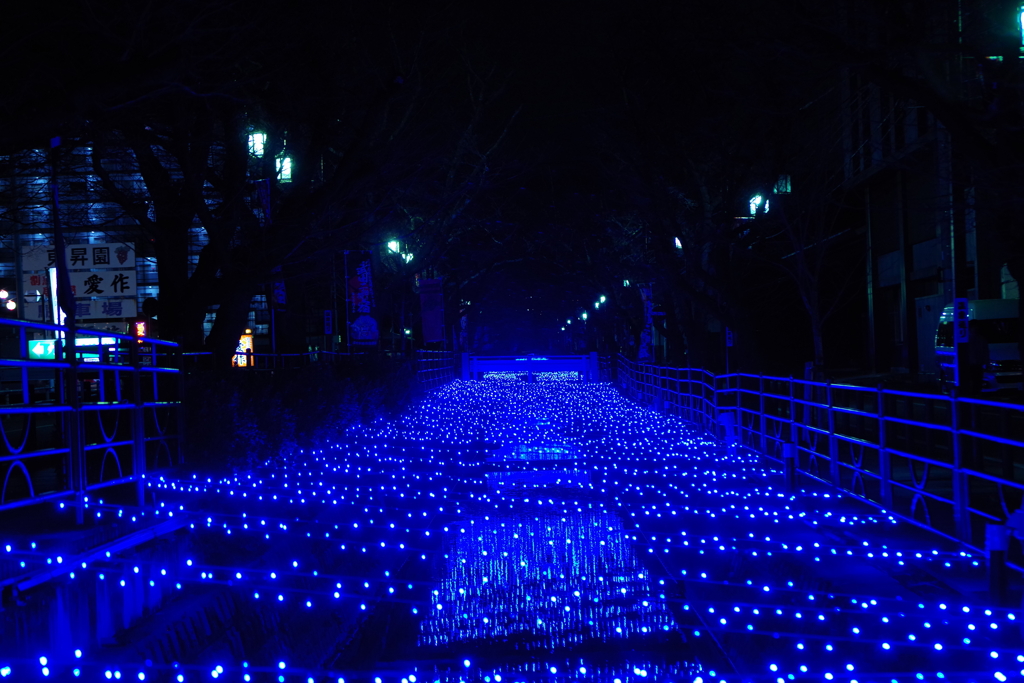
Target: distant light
x,y
4,294
603,298
11,305
257,143
597,305
584,316
755,204
625,283
679,243
394,246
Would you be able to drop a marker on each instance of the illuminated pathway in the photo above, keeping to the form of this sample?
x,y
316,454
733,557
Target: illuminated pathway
x,y
504,531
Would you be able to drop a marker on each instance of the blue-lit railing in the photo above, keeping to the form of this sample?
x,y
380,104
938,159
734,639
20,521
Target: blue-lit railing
x,y
434,368
953,465
71,423
476,366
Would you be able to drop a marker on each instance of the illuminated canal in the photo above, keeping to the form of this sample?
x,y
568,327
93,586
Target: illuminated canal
x,y
512,531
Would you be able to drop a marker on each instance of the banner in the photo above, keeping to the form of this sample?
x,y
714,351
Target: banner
x,y
432,310
644,352
362,327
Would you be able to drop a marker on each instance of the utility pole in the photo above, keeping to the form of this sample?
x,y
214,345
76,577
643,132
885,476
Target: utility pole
x,y
66,350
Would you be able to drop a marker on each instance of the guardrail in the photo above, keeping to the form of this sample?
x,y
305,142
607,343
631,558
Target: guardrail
x,y
248,360
475,366
953,465
74,422
434,368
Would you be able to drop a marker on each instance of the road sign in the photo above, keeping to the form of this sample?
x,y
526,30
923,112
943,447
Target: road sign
x,y
961,331
728,337
41,349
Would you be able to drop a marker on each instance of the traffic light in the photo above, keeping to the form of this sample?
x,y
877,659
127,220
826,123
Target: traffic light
x,y
139,329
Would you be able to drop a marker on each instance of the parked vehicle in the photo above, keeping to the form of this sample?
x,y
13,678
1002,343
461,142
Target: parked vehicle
x,y
993,354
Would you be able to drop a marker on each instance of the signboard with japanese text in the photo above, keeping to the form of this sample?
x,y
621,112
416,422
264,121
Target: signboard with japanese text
x,y
359,299
80,256
36,288
245,346
103,283
645,351
85,309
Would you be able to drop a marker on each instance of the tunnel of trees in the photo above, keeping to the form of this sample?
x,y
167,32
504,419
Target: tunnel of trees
x,y
533,157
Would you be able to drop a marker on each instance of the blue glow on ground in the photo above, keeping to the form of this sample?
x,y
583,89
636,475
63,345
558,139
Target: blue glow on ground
x,y
512,531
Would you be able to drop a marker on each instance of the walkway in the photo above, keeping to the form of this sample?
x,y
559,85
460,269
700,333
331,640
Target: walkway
x,y
554,531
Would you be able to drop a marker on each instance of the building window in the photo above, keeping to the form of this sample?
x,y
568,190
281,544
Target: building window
x,y
783,185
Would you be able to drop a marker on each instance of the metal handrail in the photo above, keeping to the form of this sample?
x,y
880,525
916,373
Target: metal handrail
x,y
55,442
877,437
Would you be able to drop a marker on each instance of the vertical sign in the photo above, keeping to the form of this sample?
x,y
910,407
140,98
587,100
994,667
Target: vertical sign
x,y
961,331
728,337
328,323
432,310
241,357
359,300
644,353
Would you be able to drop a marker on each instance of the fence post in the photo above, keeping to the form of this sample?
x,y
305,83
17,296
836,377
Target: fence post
x,y
763,425
789,460
138,426
833,450
658,398
727,418
180,409
884,463
961,492
75,435
794,432
996,538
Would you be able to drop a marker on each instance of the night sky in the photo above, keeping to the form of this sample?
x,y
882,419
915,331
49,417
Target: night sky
x,y
553,151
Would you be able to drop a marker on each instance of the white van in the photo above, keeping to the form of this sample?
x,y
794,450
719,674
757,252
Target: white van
x,y
997,321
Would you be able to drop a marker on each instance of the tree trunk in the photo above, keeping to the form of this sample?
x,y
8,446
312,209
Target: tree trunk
x,y
232,318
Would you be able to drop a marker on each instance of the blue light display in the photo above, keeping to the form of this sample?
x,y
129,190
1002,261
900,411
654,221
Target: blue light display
x,y
511,531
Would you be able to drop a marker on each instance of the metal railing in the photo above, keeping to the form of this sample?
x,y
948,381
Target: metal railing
x,y
74,422
953,465
476,366
434,368
269,361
